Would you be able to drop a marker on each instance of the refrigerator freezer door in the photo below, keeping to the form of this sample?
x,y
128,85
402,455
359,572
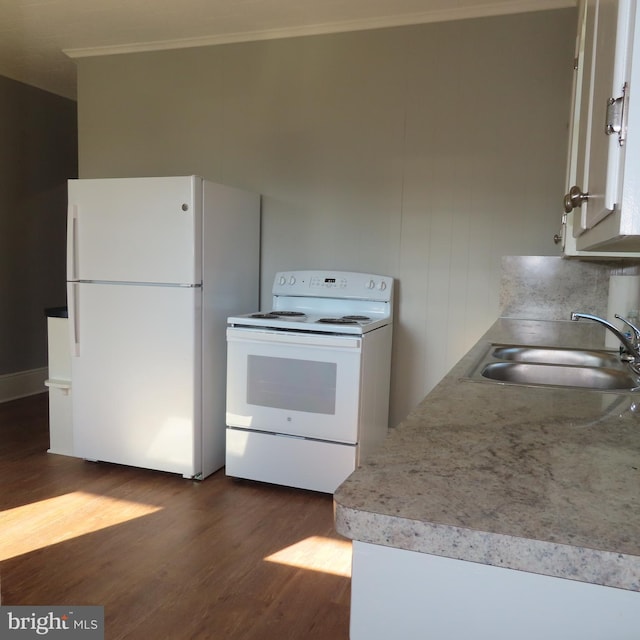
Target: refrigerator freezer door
x,y
135,230
136,380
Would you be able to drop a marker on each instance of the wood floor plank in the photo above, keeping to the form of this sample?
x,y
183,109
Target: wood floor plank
x,y
167,557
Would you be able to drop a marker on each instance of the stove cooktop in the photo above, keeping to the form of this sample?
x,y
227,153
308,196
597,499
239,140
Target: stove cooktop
x,y
303,317
325,302
321,323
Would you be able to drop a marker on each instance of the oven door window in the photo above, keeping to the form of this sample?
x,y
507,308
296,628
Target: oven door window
x,y
306,386
291,384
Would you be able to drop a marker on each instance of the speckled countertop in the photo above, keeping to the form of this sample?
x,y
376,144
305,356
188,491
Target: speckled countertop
x,y
535,479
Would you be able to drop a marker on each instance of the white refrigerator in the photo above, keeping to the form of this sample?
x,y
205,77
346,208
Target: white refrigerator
x,y
154,268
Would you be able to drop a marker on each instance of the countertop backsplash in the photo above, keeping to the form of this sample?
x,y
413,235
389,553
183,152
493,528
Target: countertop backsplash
x,y
551,287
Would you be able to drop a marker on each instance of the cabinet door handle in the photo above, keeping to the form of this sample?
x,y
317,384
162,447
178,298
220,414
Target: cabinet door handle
x,y
574,198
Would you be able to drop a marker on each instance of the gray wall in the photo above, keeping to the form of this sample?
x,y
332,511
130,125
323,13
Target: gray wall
x,y
423,152
38,152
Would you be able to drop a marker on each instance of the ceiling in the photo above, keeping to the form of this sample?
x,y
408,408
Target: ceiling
x,y
40,38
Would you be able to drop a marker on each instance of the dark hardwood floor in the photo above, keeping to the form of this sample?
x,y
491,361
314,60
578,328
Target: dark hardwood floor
x,y
168,558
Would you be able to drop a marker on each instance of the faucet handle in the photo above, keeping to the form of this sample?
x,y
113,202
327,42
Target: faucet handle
x,y
636,331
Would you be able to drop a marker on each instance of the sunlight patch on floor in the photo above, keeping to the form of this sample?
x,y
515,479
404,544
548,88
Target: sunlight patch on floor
x,y
46,522
317,554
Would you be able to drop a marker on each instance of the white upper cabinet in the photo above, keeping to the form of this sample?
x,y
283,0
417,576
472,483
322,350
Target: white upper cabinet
x,y
602,201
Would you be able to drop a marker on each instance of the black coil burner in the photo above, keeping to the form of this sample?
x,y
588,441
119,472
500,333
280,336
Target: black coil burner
x,y
276,315
345,320
337,321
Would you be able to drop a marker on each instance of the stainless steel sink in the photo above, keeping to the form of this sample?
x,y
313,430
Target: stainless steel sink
x,y
554,367
559,376
553,355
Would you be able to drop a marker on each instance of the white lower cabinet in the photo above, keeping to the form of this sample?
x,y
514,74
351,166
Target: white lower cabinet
x,y
417,596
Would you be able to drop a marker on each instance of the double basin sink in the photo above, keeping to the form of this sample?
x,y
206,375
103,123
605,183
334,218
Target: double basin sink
x,y
554,367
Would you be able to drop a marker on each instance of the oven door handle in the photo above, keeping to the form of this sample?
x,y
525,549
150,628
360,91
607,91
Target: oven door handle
x,y
290,338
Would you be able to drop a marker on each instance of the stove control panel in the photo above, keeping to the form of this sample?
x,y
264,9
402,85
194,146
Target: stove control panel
x,y
327,283
333,284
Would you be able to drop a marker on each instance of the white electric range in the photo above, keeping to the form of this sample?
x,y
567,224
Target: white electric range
x,y
308,380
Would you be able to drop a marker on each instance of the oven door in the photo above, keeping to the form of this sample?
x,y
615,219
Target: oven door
x,y
305,385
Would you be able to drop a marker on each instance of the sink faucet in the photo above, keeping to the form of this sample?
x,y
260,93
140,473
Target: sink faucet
x,y
630,349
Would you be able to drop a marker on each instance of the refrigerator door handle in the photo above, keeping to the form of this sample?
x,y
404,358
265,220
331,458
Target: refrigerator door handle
x,y
72,239
72,304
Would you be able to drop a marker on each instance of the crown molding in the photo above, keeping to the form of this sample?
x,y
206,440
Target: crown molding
x,y
442,15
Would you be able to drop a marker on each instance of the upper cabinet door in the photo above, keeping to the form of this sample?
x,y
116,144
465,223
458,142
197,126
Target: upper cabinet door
x,y
604,98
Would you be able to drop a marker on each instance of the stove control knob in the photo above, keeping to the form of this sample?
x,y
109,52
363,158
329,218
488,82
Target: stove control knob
x,y
282,280
292,280
371,285
382,286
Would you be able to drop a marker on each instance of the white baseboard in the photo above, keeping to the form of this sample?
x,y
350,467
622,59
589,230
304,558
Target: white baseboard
x,y
22,383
